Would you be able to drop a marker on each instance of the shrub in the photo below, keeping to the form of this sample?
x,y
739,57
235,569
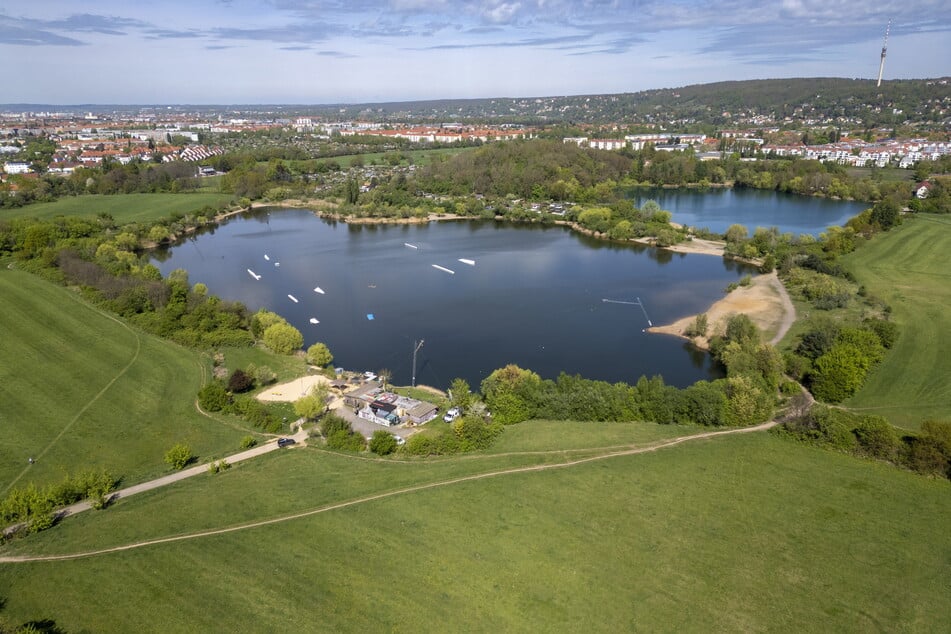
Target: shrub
x,y
382,443
282,338
699,326
248,441
839,373
213,397
179,456
319,355
877,438
240,381
346,440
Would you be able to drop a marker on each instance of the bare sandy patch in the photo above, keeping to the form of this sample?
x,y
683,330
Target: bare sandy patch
x,y
764,301
292,390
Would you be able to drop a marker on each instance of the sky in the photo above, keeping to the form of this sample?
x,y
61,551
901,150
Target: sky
x,y
358,51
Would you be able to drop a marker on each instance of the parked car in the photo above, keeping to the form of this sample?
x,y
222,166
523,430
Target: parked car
x,y
400,441
451,415
284,442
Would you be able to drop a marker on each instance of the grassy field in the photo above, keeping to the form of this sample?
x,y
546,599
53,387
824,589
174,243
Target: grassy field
x,y
420,157
123,207
80,389
739,533
908,268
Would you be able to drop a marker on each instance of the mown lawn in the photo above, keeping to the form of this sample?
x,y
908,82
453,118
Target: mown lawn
x,y
123,207
738,533
908,268
80,390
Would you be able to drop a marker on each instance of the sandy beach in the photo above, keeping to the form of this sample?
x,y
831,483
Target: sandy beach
x,y
765,301
292,390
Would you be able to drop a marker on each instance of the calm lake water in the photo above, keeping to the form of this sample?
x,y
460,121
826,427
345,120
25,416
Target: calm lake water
x,y
717,209
533,297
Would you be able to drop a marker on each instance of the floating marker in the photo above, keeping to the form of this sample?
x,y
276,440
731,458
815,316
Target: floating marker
x,y
277,264
411,246
313,320
266,257
442,268
319,290
469,262
253,274
292,298
370,317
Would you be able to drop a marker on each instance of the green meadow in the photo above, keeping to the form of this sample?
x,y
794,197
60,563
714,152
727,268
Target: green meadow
x,y
745,532
81,389
908,268
123,207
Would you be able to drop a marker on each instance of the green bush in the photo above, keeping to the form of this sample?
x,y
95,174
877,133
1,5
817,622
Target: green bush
x,y
179,456
213,397
248,441
382,443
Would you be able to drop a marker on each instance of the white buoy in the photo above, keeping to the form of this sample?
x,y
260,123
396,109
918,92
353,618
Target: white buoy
x,y
469,262
292,298
319,290
442,268
266,257
313,320
411,246
277,264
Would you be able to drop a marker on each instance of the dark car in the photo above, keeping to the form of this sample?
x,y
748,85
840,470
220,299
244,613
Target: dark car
x,y
284,442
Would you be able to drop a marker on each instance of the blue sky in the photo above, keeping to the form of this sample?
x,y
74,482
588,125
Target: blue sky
x,y
330,51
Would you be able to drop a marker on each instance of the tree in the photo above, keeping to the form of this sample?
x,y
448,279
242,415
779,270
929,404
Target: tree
x,y
384,375
512,394
213,397
886,213
460,394
839,373
736,234
283,338
319,355
240,381
382,443
179,456
314,403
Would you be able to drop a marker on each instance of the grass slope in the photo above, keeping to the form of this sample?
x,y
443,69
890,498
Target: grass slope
x,y
123,207
737,533
80,389
908,268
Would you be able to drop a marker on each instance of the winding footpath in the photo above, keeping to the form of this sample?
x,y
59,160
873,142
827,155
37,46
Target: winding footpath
x,y
356,501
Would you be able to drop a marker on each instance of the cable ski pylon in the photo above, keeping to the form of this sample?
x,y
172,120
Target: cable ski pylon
x,y
637,302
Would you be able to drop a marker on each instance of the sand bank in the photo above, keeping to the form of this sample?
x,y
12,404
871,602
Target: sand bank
x,y
765,302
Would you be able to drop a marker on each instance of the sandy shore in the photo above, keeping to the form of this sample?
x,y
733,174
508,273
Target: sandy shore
x,y
765,301
292,390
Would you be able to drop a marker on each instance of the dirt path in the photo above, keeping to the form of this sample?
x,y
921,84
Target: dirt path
x,y
388,494
765,301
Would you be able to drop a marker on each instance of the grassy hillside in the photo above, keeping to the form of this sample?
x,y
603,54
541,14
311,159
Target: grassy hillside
x,y
80,389
738,533
122,207
908,268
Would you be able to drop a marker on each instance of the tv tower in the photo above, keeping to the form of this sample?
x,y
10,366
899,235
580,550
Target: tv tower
x,y
881,67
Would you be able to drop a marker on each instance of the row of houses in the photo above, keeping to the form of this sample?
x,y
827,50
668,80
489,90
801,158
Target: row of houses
x,y
371,402
442,135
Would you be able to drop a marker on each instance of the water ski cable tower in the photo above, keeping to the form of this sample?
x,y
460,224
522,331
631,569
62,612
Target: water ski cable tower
x,y
881,66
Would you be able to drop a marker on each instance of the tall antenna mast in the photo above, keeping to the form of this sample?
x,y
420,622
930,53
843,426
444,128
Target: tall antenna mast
x,y
881,67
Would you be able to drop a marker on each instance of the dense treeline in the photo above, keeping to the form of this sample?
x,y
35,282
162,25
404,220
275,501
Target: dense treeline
x,y
747,395
538,169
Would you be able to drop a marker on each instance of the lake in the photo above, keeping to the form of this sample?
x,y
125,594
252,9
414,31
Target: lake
x,y
717,209
534,296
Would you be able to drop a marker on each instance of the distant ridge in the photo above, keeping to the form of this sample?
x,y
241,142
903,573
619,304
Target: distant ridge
x,y
709,103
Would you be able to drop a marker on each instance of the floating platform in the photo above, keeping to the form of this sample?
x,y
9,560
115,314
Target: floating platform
x,y
253,274
469,262
442,268
292,298
319,290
